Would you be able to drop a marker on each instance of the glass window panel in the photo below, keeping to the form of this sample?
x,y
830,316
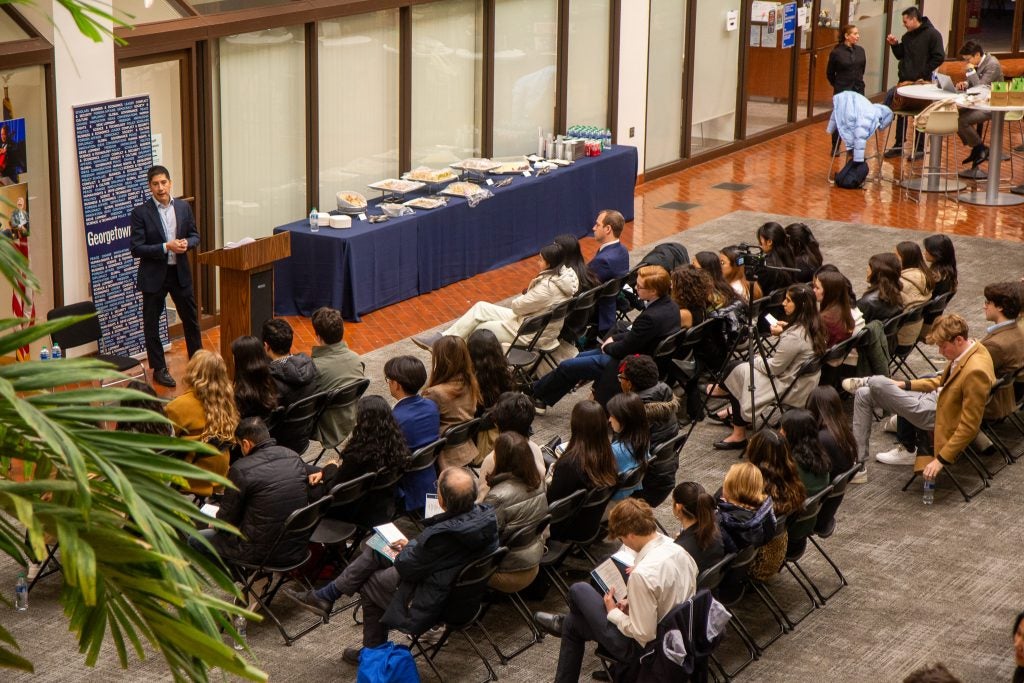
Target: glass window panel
x,y
896,28
24,109
665,59
260,151
768,76
447,82
358,103
524,73
715,79
991,24
9,29
217,6
162,82
587,97
871,19
135,12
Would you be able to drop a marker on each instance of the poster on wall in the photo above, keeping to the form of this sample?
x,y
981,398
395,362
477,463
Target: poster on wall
x,y
115,150
14,226
789,24
12,151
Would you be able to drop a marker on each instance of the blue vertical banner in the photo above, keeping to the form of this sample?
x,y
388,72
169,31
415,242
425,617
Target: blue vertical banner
x,y
115,150
789,24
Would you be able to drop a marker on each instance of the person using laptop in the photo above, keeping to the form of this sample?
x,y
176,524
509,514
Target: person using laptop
x,y
982,69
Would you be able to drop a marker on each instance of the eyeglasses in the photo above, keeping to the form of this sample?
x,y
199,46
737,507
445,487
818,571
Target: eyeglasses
x,y
621,376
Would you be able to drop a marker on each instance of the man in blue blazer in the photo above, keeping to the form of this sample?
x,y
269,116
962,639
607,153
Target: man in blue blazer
x,y
610,262
163,230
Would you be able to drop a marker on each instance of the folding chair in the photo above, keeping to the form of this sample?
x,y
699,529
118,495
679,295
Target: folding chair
x,y
88,331
421,459
913,316
330,532
293,426
463,609
710,579
578,318
338,400
729,589
558,314
932,310
49,565
556,551
801,526
988,427
521,354
662,457
947,471
299,525
824,527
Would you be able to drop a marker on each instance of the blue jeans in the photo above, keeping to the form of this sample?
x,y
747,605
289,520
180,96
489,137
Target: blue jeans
x,y
560,381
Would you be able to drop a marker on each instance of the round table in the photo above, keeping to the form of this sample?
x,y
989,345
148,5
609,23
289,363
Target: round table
x,y
992,196
930,91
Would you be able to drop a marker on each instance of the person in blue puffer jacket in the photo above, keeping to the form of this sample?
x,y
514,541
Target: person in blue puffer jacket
x,y
856,118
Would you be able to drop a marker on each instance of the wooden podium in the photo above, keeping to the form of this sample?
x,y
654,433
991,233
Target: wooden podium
x,y
246,287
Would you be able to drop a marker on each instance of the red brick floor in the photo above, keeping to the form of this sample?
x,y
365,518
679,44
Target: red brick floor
x,y
787,176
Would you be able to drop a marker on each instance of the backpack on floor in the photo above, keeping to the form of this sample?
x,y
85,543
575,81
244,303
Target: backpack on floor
x,y
852,175
387,663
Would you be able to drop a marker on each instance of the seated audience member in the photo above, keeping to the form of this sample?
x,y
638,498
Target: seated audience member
x,y
337,366
294,373
692,292
883,298
516,492
610,262
722,292
550,287
586,464
833,296
806,252
736,275
631,437
376,444
769,452
745,512
982,69
834,431
513,412
954,414
937,673
801,338
269,484
664,576
572,258
917,280
940,255
410,592
699,535
778,254
154,404
494,379
639,374
255,390
206,412
453,387
657,321
1018,648
812,462
419,420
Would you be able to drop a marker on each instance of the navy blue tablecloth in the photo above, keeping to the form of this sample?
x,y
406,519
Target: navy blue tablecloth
x,y
370,266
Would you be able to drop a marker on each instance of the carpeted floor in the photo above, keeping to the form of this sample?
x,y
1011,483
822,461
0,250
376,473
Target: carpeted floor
x,y
940,583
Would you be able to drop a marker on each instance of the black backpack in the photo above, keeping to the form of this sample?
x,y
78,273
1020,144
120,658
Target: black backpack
x,y
852,175
668,255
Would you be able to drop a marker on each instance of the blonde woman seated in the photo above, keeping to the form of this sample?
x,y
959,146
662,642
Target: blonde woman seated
x,y
553,285
206,412
801,338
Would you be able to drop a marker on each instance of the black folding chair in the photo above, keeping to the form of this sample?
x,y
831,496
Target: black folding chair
x,y
898,353
948,473
49,565
331,532
294,425
558,314
801,526
990,427
932,310
88,331
578,318
556,551
338,400
824,527
522,356
421,459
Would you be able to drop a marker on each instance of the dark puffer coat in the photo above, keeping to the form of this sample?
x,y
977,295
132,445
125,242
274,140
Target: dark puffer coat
x,y
295,377
742,527
271,483
429,564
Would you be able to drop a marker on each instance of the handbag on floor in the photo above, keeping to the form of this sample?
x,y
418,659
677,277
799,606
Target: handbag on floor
x,y
387,663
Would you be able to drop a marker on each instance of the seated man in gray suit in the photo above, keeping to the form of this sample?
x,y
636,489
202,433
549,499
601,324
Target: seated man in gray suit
x,y
982,69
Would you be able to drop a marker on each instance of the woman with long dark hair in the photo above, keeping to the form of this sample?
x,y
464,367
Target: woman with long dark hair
x,y
941,259
834,430
453,387
255,390
631,436
587,463
918,282
801,338
833,295
376,444
692,292
698,516
806,252
883,299
769,452
736,275
572,258
153,404
490,367
775,244
722,293
800,428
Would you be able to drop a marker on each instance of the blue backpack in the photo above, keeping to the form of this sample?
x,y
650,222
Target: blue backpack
x,y
387,663
852,175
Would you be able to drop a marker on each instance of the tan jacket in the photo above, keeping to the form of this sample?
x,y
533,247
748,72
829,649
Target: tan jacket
x,y
915,291
1006,346
548,289
793,349
961,402
456,404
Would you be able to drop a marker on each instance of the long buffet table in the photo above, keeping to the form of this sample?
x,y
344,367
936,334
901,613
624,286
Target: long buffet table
x,y
369,266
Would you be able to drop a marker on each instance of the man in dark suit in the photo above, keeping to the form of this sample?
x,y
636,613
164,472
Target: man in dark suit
x,y
163,230
657,321
610,262
418,418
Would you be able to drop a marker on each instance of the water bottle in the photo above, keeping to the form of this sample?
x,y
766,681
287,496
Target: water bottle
x,y
44,354
55,354
314,222
238,621
21,593
929,492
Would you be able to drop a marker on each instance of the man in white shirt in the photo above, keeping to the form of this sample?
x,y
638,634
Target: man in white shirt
x,y
663,576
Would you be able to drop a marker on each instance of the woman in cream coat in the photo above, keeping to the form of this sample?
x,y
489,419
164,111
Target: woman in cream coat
x,y
801,338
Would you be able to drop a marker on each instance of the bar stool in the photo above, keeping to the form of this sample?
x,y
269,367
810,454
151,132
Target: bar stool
x,y
942,124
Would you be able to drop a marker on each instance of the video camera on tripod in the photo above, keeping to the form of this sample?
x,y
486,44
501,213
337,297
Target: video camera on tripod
x,y
753,259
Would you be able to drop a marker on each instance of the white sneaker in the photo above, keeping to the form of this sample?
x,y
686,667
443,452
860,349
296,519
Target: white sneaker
x,y
33,570
889,424
897,456
852,384
860,478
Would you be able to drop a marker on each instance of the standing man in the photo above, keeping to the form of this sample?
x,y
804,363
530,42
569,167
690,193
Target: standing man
x,y
919,54
982,69
663,576
163,230
610,262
